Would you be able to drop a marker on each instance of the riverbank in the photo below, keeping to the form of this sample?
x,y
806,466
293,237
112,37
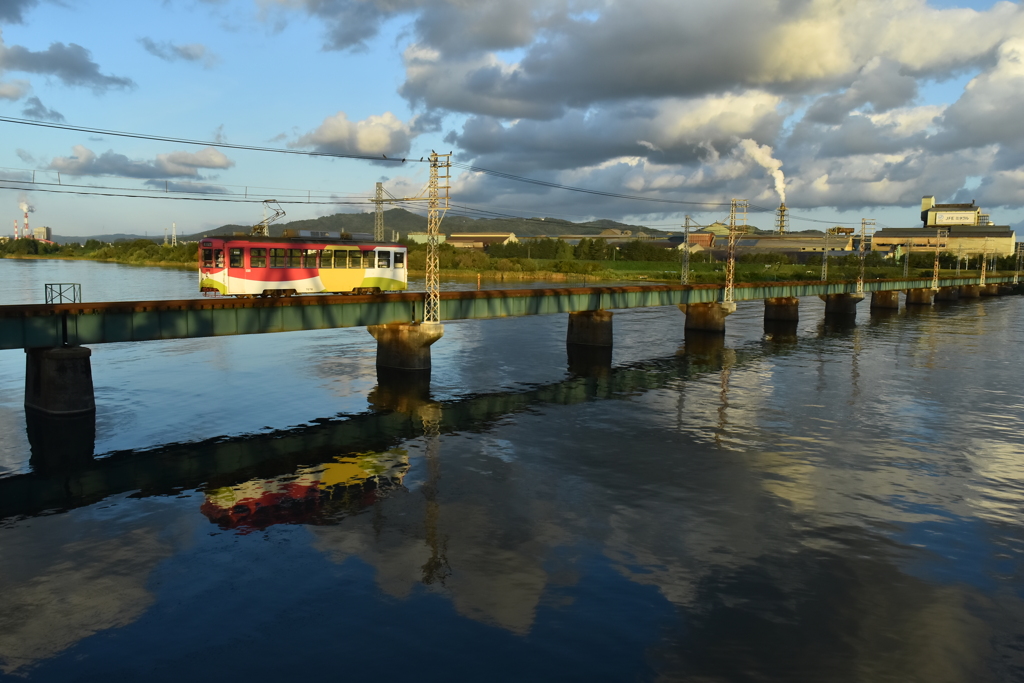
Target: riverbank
x,y
57,257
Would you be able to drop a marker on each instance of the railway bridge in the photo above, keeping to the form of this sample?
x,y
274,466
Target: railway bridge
x,y
58,381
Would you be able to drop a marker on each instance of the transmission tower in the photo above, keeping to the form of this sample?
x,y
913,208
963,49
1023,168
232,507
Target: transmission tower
x,y
737,209
864,223
378,217
781,219
906,261
824,259
437,196
684,277
959,257
940,242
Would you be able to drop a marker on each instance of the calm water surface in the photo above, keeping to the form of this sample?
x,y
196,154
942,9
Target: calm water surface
x,y
842,504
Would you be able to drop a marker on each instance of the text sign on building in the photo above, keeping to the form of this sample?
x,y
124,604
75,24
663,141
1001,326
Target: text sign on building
x,y
955,218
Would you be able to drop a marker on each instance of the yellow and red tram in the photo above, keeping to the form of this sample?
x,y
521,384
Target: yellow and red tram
x,y
281,266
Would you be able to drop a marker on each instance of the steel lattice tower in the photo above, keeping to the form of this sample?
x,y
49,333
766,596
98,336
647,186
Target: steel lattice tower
x,y
940,242
737,208
684,277
864,223
437,197
378,217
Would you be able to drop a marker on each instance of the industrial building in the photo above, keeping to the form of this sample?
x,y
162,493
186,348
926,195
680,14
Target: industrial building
x,y
957,228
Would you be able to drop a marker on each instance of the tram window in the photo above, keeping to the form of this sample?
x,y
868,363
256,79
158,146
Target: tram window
x,y
207,258
326,259
278,258
257,258
295,258
235,257
383,259
399,259
218,257
309,258
369,259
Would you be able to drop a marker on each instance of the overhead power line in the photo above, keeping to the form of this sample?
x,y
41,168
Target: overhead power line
x,y
380,159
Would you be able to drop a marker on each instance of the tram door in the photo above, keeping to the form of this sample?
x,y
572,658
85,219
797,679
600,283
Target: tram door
x,y
213,266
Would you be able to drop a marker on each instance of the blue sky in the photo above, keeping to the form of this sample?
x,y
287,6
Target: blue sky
x,y
864,108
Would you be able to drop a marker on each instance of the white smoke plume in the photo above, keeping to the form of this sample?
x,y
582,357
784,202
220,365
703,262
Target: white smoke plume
x,y
762,155
23,204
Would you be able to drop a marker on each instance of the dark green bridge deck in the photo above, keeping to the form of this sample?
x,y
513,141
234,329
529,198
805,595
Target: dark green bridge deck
x,y
39,325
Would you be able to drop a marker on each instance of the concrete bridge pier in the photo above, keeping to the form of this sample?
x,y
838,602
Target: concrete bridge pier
x,y
405,346
1005,289
970,291
709,317
947,294
58,381
60,407
989,290
781,331
785,308
887,300
844,305
588,343
920,297
590,328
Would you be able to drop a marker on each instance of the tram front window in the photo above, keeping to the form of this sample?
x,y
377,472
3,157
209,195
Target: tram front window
x,y
235,257
207,258
383,259
218,258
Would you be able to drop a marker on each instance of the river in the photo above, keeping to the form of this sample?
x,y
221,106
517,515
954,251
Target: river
x,y
842,504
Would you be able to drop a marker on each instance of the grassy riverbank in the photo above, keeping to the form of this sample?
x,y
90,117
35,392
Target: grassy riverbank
x,y
129,252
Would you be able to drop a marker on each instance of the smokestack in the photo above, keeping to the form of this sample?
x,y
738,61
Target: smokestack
x,y
15,228
26,232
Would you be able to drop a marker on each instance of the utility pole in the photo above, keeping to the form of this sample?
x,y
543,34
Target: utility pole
x,y
864,223
1020,261
824,260
984,263
684,278
940,241
959,255
437,195
906,261
736,207
378,217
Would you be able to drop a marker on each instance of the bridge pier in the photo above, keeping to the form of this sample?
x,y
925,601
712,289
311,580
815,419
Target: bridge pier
x,y
58,381
920,297
590,328
885,300
709,317
989,290
970,291
782,308
405,346
947,294
841,304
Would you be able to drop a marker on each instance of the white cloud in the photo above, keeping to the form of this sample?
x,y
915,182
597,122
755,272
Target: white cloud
x,y
14,90
385,134
84,161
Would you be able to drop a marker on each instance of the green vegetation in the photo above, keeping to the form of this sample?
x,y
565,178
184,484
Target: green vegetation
x,y
142,252
638,260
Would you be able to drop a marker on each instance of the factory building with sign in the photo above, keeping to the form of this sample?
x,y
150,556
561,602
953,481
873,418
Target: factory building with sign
x,y
958,228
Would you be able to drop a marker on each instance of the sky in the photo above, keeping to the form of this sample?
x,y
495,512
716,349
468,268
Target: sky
x,y
850,110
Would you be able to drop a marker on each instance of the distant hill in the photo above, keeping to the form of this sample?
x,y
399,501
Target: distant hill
x,y
401,220
405,222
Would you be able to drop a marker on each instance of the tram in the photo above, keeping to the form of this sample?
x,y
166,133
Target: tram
x,y
300,262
